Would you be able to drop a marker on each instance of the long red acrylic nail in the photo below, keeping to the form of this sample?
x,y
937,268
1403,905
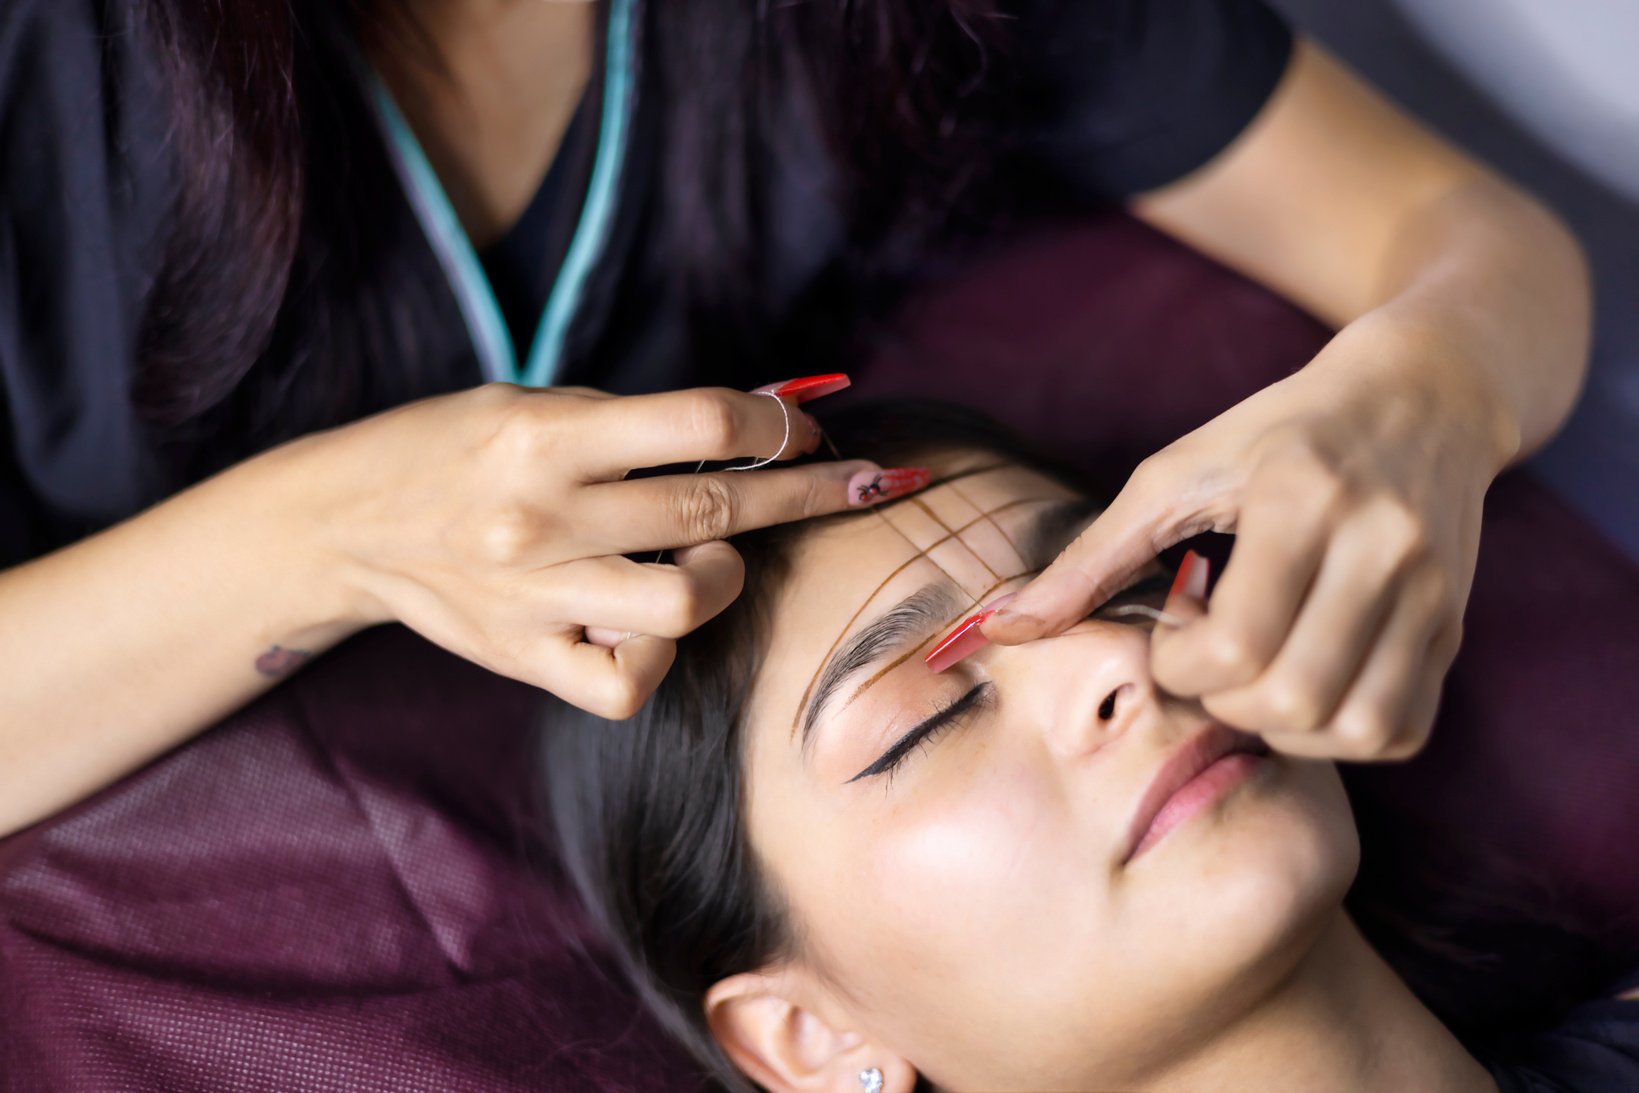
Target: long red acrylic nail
x,y
806,388
873,487
963,641
1192,577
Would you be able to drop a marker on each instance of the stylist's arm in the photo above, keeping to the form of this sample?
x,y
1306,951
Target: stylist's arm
x,y
1354,486
493,521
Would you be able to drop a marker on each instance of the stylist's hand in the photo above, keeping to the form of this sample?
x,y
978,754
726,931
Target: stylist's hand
x,y
494,522
1354,488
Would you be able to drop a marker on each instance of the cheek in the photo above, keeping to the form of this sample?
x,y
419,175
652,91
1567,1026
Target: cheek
x,y
968,895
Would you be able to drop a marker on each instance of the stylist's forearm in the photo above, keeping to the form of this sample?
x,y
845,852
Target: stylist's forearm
x,y
122,646
1498,292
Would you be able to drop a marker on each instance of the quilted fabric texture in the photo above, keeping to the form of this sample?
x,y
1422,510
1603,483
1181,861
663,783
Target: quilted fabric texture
x,y
337,889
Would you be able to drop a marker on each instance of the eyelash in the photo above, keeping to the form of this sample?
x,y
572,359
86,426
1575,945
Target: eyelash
x,y
926,733
951,716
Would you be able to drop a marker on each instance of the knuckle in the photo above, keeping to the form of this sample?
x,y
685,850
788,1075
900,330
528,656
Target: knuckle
x,y
1300,459
814,497
1401,530
622,705
1303,486
1234,656
1427,591
1439,595
712,421
706,509
495,395
508,535
1150,474
681,611
1447,644
521,437
620,698
1291,706
1405,746
1365,730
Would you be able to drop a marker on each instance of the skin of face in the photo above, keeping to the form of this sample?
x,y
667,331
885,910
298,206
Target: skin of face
x,y
970,912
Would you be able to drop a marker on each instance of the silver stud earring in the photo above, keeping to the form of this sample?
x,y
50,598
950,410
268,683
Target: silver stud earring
x,y
871,1080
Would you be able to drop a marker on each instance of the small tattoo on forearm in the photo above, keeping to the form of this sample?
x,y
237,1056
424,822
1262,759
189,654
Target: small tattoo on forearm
x,y
279,661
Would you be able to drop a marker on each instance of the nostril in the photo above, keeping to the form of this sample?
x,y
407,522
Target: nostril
x,y
1114,700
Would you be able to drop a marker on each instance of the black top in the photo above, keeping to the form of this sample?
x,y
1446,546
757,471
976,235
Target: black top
x,y
1595,1049
1121,97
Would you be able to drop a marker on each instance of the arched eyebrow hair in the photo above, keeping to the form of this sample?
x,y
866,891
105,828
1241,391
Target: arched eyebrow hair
x,y
936,604
913,616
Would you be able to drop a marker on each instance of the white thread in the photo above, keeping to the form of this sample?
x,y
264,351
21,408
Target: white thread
x,y
785,411
1147,611
784,440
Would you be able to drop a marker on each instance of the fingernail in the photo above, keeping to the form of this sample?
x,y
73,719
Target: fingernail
x,y
873,487
965,640
806,388
1192,577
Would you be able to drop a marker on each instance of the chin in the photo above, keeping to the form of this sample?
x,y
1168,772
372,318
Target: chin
x,y
1247,888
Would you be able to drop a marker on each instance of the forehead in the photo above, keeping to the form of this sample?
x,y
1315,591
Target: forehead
x,y
963,530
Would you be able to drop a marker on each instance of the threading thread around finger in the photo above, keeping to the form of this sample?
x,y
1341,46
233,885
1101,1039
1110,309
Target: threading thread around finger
x,y
785,413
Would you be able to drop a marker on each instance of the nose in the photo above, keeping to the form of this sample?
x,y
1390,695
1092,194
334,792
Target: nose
x,y
1083,688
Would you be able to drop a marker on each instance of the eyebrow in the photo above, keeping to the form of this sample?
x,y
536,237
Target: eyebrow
x,y
916,614
931,605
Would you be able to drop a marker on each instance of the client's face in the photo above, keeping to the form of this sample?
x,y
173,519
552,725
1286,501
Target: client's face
x,y
957,850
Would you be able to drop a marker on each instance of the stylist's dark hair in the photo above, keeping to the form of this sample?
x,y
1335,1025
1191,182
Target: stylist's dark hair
x,y
281,239
647,812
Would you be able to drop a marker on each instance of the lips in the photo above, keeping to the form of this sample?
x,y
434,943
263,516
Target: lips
x,y
1202,751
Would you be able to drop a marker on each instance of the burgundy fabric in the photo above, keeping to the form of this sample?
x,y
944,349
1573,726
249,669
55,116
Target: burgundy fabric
x,y
336,890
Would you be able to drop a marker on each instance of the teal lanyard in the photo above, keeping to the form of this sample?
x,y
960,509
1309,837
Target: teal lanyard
x,y
449,241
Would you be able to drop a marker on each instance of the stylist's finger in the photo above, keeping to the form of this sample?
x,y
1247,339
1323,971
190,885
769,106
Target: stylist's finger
x,y
610,682
1363,575
679,510
615,594
703,423
1386,711
1280,539
1144,519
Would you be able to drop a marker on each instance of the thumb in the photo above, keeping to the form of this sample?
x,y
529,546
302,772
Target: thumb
x,y
1126,536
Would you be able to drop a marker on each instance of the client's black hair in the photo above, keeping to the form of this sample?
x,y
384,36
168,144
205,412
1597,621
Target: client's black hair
x,y
648,811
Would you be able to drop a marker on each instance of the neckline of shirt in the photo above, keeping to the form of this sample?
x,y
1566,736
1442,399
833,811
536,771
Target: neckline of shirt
x,y
474,294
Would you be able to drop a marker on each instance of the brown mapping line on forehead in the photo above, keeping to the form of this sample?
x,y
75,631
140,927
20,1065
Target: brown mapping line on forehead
x,y
1006,538
903,657
934,516
920,555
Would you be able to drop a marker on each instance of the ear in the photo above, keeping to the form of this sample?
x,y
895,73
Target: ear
x,y
784,1045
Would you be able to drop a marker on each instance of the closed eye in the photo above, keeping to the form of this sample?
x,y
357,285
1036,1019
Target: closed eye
x,y
926,732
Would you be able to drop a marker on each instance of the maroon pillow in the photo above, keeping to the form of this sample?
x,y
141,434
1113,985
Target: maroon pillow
x,y
336,889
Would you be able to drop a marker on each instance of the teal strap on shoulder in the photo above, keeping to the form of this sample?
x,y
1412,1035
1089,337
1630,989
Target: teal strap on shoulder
x,y
453,248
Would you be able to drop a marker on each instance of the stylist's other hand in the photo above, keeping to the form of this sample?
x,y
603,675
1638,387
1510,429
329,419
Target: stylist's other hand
x,y
494,521
1354,488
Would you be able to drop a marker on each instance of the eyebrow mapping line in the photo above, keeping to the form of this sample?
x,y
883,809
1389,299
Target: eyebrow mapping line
x,y
934,516
920,555
1006,538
